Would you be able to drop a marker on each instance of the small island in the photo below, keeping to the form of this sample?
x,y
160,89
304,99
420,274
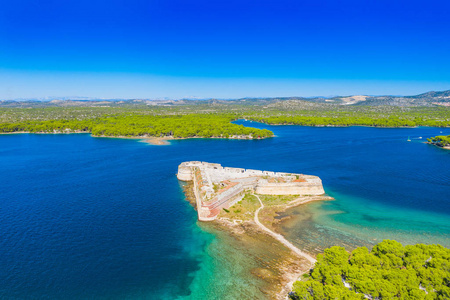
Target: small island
x,y
442,141
247,205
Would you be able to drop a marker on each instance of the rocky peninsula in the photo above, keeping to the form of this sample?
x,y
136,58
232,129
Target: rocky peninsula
x,y
246,204
442,141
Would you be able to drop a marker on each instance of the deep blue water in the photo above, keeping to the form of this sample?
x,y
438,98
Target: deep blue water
x,y
98,218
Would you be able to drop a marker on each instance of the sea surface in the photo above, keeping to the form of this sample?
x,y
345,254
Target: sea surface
x,y
101,218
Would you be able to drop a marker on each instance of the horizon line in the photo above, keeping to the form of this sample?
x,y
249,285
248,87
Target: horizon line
x,y
193,98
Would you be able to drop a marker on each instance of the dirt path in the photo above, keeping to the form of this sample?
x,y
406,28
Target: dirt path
x,y
281,238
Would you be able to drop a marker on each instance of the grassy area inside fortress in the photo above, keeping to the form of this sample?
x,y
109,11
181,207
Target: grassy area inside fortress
x,y
244,210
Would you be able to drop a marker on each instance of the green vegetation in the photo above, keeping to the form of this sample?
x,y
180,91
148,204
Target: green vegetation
x,y
244,210
135,125
203,118
307,114
389,271
440,140
273,200
360,118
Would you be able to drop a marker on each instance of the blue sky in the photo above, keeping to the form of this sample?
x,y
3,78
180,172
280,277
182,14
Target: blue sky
x,y
196,48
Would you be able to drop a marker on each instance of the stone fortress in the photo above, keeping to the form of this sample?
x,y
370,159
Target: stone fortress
x,y
217,187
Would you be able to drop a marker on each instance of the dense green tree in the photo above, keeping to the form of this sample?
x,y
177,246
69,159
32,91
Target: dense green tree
x,y
389,271
178,126
440,140
203,119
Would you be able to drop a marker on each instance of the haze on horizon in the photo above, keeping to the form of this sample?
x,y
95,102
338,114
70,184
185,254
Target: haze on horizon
x,y
222,49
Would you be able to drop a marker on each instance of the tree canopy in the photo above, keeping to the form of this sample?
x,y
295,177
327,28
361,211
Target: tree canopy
x,y
139,125
205,119
440,140
389,271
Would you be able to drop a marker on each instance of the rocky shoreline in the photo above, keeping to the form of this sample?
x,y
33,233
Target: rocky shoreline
x,y
446,147
286,266
153,140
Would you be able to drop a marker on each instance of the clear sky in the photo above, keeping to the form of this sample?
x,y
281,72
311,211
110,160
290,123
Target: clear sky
x,y
217,48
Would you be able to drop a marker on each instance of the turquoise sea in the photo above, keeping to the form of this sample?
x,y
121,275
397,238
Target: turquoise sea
x,y
100,218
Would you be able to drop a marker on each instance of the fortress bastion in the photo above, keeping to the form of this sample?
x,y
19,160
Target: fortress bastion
x,y
216,187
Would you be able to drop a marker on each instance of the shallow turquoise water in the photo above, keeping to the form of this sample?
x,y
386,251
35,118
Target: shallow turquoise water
x,y
92,218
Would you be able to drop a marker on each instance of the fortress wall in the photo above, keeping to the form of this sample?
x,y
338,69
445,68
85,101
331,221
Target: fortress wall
x,y
191,163
254,172
223,199
212,166
184,173
184,167
281,174
203,213
233,201
312,179
210,211
234,170
290,189
248,183
206,218
230,201
247,179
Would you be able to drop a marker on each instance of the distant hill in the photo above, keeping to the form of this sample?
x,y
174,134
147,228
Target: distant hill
x,y
426,99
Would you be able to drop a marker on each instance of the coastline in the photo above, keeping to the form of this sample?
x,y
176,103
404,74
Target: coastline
x,y
288,265
157,141
153,140
28,132
278,273
438,145
342,126
17,132
294,265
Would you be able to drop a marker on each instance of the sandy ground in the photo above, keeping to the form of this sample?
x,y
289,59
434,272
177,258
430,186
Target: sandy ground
x,y
157,141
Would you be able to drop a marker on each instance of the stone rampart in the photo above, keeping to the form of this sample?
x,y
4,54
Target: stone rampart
x,y
221,200
301,189
183,170
207,176
184,173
